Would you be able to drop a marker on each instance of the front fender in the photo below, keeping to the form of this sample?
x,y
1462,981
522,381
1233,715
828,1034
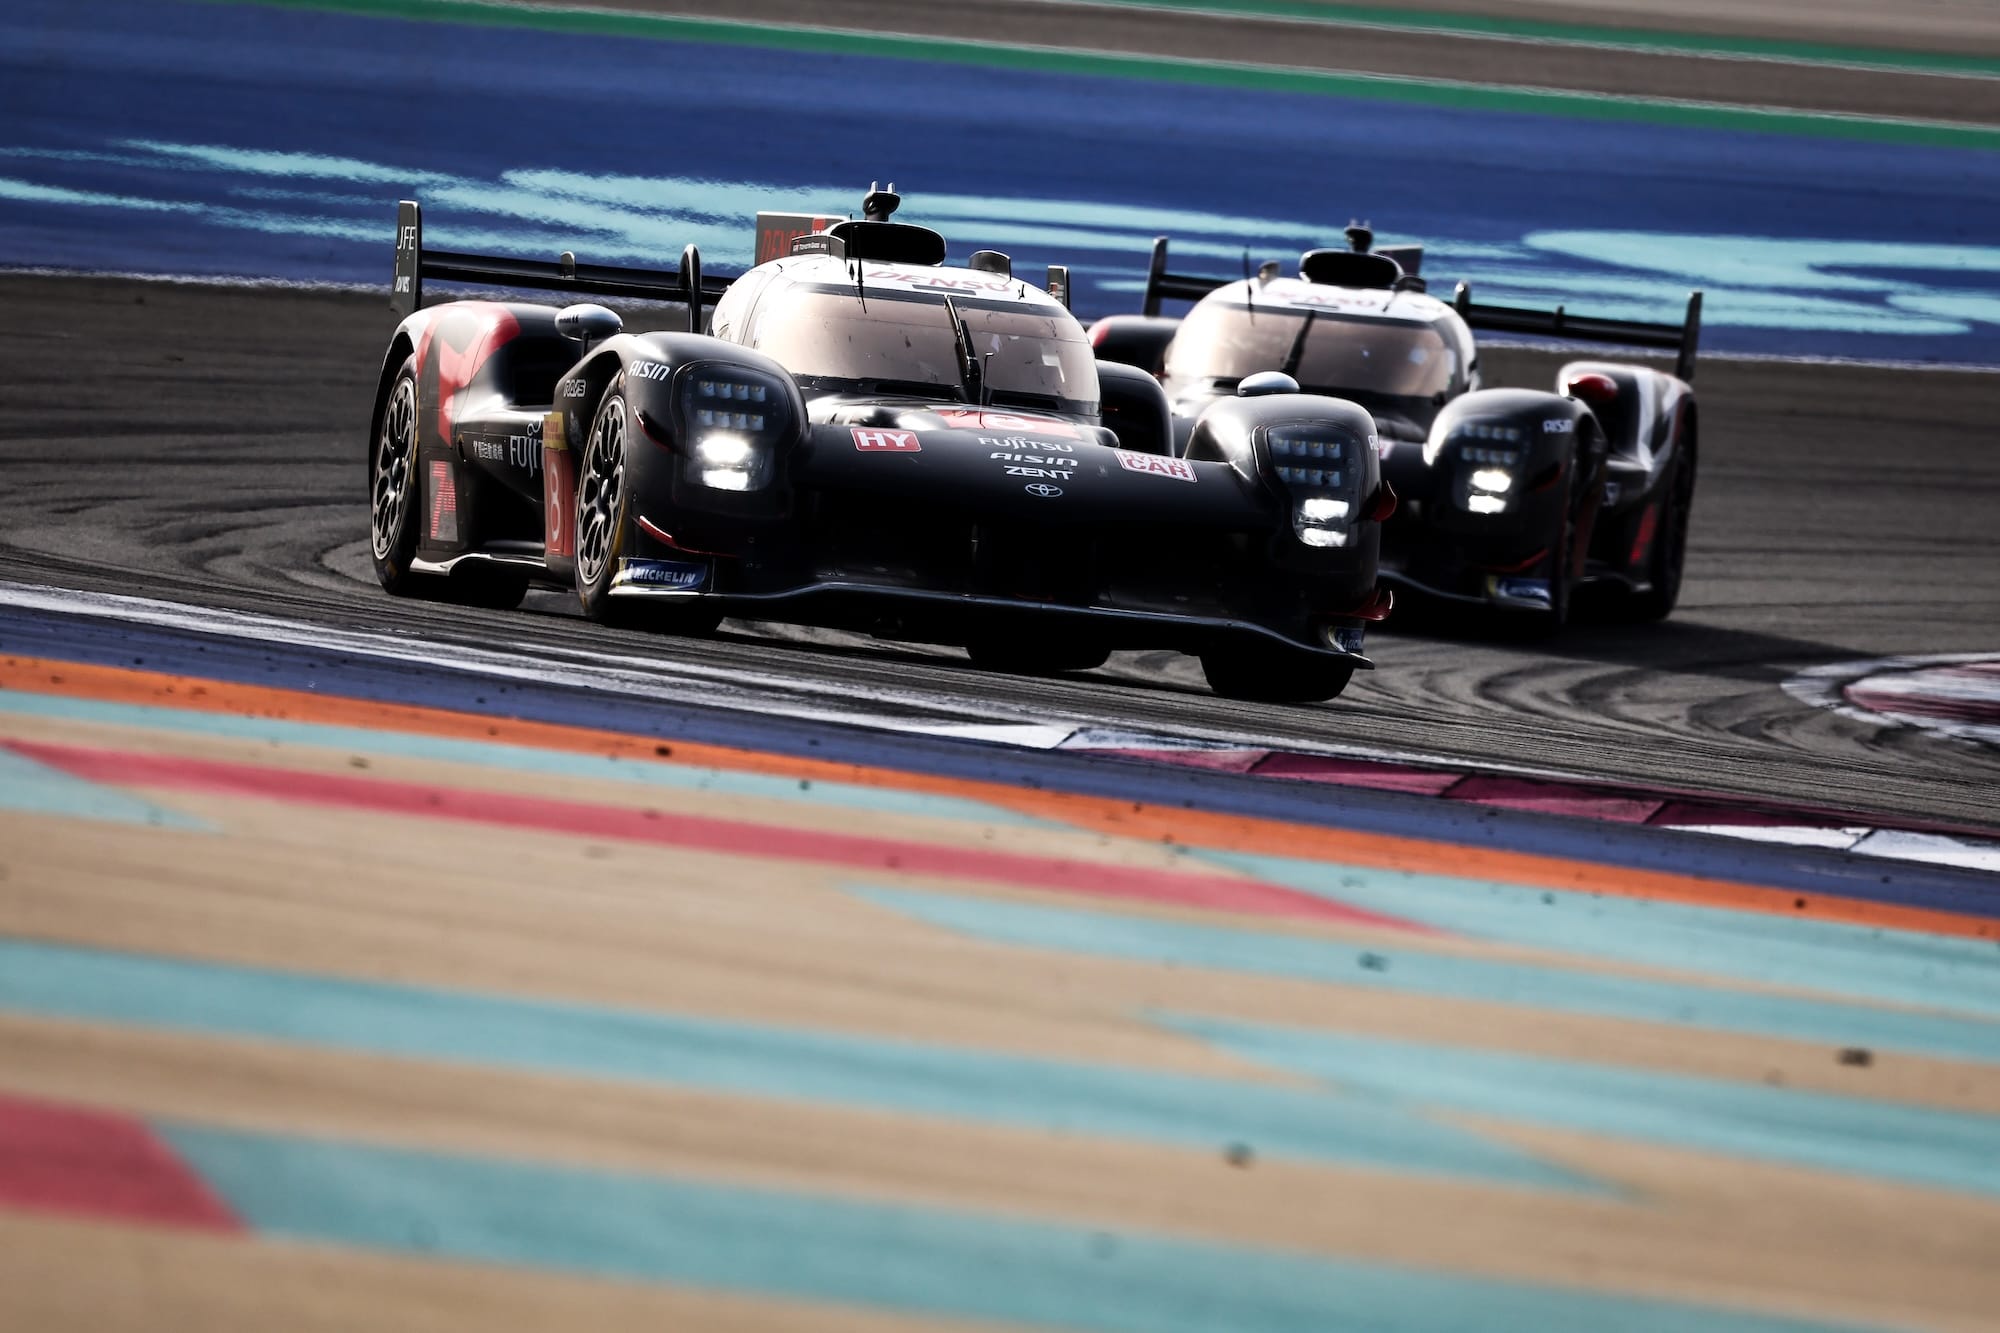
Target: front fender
x,y
663,477
1503,463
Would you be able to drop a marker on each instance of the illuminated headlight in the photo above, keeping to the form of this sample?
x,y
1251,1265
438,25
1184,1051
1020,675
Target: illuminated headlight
x,y
723,451
733,421
1321,521
1322,510
1486,504
1495,480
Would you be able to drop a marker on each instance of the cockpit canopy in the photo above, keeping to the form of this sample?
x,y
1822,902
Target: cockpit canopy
x,y
1326,351
884,337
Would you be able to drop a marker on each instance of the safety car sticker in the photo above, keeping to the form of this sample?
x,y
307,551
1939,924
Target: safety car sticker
x,y
1177,468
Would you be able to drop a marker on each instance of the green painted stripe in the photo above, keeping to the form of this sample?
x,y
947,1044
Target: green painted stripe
x,y
1045,60
1496,28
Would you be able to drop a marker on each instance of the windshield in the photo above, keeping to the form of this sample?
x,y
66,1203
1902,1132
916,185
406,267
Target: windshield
x,y
1227,342
901,343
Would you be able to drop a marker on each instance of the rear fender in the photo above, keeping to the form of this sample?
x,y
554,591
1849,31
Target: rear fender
x,y
1135,408
1640,426
1134,340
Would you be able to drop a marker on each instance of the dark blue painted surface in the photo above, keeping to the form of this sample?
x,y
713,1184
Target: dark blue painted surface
x,y
1802,869
130,135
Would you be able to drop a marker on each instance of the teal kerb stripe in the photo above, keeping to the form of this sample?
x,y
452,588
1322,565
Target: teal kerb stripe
x,y
1915,1145
752,1060
1503,29
30,787
668,777
916,1259
995,55
1832,1023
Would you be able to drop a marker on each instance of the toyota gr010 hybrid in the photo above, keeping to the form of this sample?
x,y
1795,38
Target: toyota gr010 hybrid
x,y
865,438
1509,497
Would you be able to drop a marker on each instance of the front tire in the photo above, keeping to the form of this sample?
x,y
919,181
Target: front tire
x,y
603,506
1273,675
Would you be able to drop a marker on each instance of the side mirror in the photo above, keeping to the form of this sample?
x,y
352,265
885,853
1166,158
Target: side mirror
x,y
587,323
1590,387
1266,382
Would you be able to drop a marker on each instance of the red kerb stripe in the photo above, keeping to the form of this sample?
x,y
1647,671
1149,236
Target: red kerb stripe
x,y
1172,887
65,1159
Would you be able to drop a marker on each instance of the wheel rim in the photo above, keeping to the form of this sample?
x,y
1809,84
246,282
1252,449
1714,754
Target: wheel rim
x,y
395,462
598,491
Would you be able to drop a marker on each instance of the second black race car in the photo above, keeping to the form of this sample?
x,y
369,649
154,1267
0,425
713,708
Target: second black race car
x,y
867,439
1511,498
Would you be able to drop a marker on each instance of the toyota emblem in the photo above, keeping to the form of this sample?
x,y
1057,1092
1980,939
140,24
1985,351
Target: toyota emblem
x,y
1043,489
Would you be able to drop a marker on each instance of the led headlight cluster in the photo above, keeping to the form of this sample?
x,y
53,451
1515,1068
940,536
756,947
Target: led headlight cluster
x,y
712,395
1313,460
1485,489
733,418
1311,476
1291,442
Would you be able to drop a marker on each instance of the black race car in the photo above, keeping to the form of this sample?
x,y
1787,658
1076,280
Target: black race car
x,y
1509,497
865,439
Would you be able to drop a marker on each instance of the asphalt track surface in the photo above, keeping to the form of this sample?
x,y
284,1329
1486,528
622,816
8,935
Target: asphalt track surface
x,y
203,444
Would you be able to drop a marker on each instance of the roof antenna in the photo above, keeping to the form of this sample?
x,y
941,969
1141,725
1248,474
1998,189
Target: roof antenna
x,y
1249,289
881,204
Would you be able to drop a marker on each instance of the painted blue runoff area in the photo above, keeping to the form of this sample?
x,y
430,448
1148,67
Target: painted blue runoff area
x,y
743,1059
29,787
1945,1150
1805,870
166,136
1951,1036
490,754
912,1259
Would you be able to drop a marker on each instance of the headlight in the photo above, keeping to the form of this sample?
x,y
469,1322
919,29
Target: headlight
x,y
1317,463
720,450
733,420
1495,480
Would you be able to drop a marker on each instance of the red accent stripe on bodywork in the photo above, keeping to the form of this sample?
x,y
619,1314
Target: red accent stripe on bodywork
x,y
1089,878
66,1159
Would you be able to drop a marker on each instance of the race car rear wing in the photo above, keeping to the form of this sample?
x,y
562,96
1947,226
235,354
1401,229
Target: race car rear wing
x,y
688,287
1683,339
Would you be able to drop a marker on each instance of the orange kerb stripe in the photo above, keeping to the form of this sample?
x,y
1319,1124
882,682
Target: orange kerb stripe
x,y
1190,828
